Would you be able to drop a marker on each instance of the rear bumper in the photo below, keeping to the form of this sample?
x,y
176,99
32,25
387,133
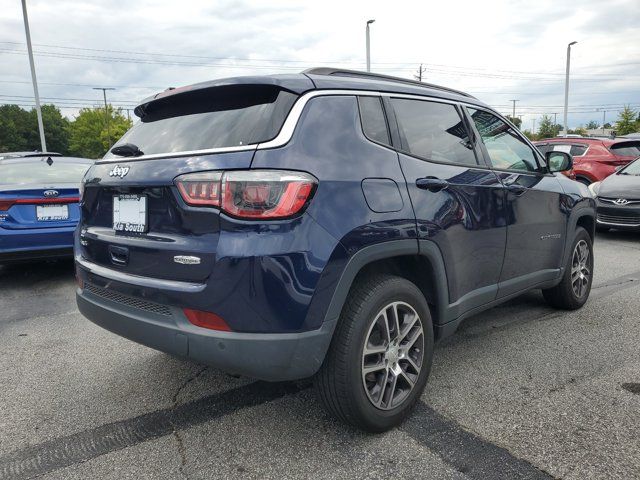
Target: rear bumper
x,y
271,357
28,244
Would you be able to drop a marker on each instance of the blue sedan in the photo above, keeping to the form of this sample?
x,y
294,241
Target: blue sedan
x,y
39,206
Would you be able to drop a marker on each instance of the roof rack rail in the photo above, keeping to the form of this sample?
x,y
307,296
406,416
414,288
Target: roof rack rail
x,y
378,76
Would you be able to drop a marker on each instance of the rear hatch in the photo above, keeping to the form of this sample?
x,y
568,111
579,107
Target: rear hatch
x,y
40,193
134,218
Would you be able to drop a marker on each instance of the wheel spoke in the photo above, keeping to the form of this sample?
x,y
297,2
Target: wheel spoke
x,y
413,365
407,379
383,387
410,324
396,321
385,325
373,368
392,390
374,349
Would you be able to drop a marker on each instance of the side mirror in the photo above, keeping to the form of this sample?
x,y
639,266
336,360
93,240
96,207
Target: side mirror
x,y
559,161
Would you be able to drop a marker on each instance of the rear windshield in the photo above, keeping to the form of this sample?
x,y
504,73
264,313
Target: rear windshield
x,y
626,149
228,116
27,172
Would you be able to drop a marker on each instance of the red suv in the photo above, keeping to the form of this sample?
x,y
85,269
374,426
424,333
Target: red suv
x,y
594,159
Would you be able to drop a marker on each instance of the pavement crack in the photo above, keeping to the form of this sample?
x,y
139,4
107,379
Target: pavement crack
x,y
182,451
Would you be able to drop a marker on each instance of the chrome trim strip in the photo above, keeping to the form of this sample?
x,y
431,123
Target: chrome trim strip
x,y
147,282
289,126
619,224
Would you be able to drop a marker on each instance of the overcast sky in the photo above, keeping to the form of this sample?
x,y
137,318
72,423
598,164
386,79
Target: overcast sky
x,y
496,50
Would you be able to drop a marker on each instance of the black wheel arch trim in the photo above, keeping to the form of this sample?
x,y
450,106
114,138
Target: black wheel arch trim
x,y
387,250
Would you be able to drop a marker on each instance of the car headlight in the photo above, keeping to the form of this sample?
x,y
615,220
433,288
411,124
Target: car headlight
x,y
594,188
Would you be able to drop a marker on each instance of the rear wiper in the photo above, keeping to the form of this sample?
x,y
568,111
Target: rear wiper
x,y
127,150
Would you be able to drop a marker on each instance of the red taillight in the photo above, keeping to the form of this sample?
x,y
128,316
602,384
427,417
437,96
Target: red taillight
x,y
200,188
6,205
254,194
206,320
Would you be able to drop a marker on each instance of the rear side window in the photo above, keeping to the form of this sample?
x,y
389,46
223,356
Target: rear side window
x,y
574,150
433,131
627,149
374,124
26,172
227,116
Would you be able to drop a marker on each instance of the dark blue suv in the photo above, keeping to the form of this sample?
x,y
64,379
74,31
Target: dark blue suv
x,y
329,224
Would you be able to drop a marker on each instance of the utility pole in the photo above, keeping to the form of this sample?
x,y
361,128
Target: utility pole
x,y
106,109
604,116
369,22
555,119
514,108
420,72
43,143
566,89
533,130
128,114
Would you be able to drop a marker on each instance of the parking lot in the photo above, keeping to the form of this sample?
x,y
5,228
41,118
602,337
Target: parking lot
x,y
521,391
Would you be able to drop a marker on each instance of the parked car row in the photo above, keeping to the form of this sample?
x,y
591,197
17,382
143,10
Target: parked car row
x,y
594,159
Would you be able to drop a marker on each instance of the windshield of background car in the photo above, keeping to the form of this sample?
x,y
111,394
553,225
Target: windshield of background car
x,y
632,169
21,171
228,116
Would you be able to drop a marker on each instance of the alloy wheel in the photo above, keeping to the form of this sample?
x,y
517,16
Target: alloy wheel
x,y
392,355
580,269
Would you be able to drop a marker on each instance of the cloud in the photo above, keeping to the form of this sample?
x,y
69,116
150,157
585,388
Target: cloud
x,y
497,51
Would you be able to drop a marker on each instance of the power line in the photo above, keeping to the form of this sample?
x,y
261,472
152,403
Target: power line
x,y
184,55
539,77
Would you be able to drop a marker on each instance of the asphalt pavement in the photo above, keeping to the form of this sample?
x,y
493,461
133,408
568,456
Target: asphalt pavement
x,y
520,391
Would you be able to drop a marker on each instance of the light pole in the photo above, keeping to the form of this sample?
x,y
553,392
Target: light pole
x,y
369,22
566,89
106,109
43,143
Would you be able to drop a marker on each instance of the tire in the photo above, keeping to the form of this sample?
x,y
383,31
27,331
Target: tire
x,y
341,385
568,294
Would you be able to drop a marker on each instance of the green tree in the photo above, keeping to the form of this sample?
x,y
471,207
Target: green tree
x,y
592,125
607,125
515,120
626,121
88,135
547,128
56,130
14,123
531,136
19,129
577,131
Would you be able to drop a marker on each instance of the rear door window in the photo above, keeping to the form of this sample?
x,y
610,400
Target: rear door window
x,y
228,116
433,131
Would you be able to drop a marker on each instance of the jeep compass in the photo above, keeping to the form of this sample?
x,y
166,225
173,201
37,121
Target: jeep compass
x,y
330,224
